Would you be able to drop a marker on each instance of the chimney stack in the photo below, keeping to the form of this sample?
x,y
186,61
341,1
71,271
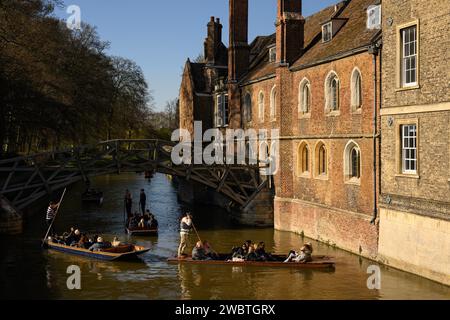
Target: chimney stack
x,y
239,50
213,41
290,31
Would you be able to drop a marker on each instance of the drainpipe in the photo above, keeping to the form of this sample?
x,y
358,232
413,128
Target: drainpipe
x,y
374,50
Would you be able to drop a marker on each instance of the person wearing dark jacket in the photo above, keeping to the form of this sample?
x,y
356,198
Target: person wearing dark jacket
x,y
199,253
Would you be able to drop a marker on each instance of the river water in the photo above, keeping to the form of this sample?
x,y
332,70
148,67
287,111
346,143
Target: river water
x,y
27,272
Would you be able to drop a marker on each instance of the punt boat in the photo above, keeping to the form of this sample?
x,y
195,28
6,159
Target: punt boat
x,y
319,262
121,253
142,231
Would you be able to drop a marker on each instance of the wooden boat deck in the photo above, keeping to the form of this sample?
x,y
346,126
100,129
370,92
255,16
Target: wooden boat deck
x,y
319,262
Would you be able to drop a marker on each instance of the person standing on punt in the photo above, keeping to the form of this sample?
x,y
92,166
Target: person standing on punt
x,y
128,203
143,201
51,213
186,226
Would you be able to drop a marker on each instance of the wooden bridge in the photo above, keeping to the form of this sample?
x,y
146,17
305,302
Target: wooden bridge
x,y
23,180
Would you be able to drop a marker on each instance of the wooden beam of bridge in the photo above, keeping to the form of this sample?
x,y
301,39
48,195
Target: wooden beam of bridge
x,y
24,180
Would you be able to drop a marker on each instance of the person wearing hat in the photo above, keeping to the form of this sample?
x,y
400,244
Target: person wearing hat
x,y
304,256
186,226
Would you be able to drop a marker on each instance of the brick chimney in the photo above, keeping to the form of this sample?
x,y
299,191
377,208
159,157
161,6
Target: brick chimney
x,y
213,41
239,50
290,27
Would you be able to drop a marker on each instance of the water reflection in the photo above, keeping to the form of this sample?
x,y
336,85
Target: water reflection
x,y
28,272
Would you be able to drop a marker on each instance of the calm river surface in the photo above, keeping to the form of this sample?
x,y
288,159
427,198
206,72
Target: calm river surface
x,y
27,272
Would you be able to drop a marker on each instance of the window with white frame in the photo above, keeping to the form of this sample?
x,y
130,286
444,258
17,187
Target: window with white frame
x,y
409,56
222,110
261,106
273,103
327,32
304,97
409,148
374,17
352,162
273,54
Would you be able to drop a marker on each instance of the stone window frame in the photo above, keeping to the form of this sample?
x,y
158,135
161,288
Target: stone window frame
x,y
248,108
273,103
357,100
348,163
328,92
317,158
399,59
300,169
399,123
304,84
261,106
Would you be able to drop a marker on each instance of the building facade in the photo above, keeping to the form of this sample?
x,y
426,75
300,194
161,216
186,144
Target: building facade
x,y
415,201
364,123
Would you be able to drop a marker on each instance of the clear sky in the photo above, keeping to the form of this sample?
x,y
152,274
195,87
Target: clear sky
x,y
160,35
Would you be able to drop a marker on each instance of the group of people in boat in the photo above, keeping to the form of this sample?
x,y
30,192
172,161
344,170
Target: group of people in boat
x,y
145,221
75,238
248,251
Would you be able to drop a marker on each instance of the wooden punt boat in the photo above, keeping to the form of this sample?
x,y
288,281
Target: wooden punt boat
x,y
121,253
319,262
142,232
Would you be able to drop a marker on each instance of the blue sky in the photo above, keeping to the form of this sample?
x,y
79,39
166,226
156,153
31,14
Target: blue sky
x,y
160,35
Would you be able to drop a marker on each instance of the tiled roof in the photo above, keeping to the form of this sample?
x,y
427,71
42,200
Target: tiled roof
x,y
352,35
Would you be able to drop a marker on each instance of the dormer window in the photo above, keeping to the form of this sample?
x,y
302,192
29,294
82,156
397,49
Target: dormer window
x,y
327,32
272,54
374,17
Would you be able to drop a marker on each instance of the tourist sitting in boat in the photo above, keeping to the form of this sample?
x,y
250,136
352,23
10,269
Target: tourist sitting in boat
x,y
262,254
116,242
100,245
239,254
73,238
304,256
251,255
199,253
84,242
209,250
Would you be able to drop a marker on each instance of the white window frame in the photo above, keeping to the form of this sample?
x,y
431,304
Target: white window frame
x,y
327,32
273,54
222,110
407,148
374,20
408,56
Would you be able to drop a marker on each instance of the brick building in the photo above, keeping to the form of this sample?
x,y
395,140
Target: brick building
x,y
314,79
415,201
